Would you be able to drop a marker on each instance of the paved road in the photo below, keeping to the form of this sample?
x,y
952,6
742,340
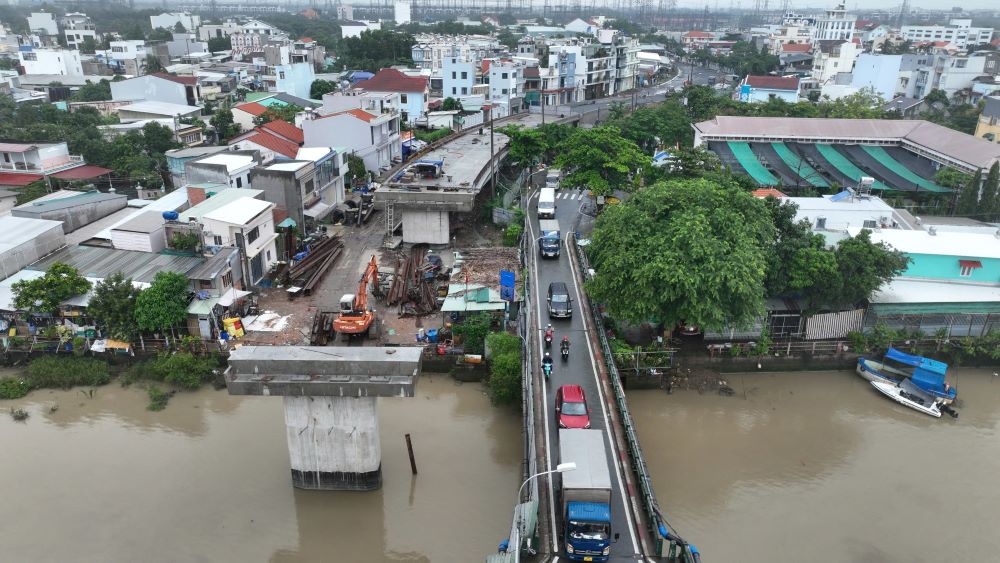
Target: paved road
x,y
579,369
652,94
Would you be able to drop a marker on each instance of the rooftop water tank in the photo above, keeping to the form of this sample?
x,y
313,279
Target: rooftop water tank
x,y
170,215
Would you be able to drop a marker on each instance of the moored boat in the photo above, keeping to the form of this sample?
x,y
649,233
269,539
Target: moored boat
x,y
926,374
905,393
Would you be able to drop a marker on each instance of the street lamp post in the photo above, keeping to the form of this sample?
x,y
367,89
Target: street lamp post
x,y
561,468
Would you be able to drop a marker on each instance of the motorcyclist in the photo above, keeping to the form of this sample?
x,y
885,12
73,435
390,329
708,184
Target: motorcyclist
x,y
547,363
548,335
564,347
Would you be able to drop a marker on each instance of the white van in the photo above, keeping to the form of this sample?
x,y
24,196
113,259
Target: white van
x,y
552,178
547,204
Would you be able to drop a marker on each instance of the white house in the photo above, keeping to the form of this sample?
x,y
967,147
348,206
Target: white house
x,y
374,137
129,56
581,26
244,114
958,32
506,79
159,87
832,57
228,168
77,27
51,61
835,24
43,23
413,91
251,220
458,76
169,20
354,28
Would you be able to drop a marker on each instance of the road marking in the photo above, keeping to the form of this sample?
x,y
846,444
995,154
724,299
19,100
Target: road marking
x,y
600,392
545,397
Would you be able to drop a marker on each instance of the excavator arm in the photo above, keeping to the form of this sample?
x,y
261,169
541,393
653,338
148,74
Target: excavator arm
x,y
371,272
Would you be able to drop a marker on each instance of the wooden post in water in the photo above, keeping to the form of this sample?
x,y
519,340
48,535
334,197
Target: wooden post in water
x,y
409,450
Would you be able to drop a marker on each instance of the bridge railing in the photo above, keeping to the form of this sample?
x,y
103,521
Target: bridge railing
x,y
649,502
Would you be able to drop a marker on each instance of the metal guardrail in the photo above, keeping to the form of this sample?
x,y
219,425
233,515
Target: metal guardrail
x,y
636,456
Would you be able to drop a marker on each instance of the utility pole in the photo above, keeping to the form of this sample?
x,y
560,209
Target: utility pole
x,y
493,162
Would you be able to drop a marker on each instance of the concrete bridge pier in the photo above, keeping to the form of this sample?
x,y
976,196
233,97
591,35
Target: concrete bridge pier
x,y
330,397
333,443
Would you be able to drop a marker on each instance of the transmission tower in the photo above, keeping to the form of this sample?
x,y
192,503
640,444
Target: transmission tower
x,y
904,10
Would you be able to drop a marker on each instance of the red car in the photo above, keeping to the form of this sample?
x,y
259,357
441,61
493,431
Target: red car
x,y
571,407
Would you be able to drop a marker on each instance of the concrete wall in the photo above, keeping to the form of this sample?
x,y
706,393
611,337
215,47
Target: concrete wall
x,y
940,267
281,189
142,242
28,252
430,227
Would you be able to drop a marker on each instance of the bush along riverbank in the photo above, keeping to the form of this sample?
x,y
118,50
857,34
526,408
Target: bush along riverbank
x,y
178,371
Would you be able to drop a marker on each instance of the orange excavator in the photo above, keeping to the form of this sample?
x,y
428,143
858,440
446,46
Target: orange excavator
x,y
355,317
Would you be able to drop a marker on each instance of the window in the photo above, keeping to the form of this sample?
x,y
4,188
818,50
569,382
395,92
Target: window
x,y
310,186
227,279
503,76
504,91
453,90
464,90
402,98
281,75
239,182
217,239
205,284
253,235
268,255
454,75
30,56
966,267
465,75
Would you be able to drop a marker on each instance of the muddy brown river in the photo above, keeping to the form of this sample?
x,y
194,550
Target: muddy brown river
x,y
207,479
820,467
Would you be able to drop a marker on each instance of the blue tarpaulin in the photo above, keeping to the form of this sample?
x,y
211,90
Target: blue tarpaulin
x,y
928,374
925,364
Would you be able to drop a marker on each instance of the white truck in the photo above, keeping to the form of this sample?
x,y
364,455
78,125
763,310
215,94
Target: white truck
x,y
547,203
585,495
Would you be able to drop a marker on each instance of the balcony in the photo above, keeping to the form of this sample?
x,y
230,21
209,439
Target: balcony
x,y
24,166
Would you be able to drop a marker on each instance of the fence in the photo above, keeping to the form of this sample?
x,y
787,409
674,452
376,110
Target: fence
x,y
636,457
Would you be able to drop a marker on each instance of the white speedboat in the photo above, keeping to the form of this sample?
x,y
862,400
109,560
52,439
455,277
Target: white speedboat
x,y
906,393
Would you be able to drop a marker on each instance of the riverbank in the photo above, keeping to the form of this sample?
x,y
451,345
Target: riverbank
x,y
841,473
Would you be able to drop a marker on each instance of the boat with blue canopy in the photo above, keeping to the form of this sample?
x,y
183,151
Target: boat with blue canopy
x,y
927,374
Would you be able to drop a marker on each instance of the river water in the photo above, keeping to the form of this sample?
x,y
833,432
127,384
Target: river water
x,y
207,479
820,467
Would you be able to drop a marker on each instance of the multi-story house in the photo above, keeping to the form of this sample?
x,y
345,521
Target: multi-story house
x,y
952,74
246,223
889,75
836,24
304,187
988,126
305,50
169,20
625,51
694,40
430,51
458,76
50,61
159,87
368,134
413,91
958,32
128,56
559,79
77,27
231,168
506,85
43,25
832,57
37,158
765,88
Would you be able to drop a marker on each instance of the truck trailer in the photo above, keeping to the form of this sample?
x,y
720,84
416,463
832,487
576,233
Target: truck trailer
x,y
548,243
585,495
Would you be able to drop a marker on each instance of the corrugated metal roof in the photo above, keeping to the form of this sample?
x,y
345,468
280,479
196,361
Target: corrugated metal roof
x,y
100,262
214,265
84,198
18,230
240,211
146,222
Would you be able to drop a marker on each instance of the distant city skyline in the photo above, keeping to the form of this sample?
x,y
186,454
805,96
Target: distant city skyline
x,y
851,6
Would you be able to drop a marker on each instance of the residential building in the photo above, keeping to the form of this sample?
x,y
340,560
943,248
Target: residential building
x,y
169,20
694,40
582,26
832,57
128,56
354,28
246,223
230,168
304,50
274,140
558,80
958,32
159,87
357,98
142,111
58,62
244,114
303,188
764,88
953,74
836,213
186,135
178,158
37,158
889,75
625,53
431,50
951,283
458,77
295,79
506,80
216,31
345,12
43,23
836,24
988,126
77,27
374,137
789,35
413,91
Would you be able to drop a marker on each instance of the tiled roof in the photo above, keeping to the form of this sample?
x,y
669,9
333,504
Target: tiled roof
x,y
85,172
18,178
253,108
275,143
186,80
285,129
768,192
531,72
358,113
698,34
773,82
796,48
391,80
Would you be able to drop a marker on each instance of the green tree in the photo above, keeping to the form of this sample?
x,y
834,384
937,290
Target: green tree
x,y
937,96
602,160
217,44
617,110
31,192
451,104
279,113
320,87
989,199
113,305
88,46
692,250
153,64
91,92
790,238
179,28
526,146
161,34
356,168
968,196
45,294
164,303
375,49
473,331
224,125
863,267
505,368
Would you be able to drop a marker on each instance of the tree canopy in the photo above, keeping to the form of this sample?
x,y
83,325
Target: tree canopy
x,y
164,303
601,160
279,113
375,49
113,305
320,87
93,92
225,127
46,294
691,250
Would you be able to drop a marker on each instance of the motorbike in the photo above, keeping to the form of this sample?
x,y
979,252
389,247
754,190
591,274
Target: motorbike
x,y
548,340
547,368
565,353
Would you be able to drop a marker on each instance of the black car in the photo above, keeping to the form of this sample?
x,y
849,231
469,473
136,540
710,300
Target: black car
x,y
560,303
